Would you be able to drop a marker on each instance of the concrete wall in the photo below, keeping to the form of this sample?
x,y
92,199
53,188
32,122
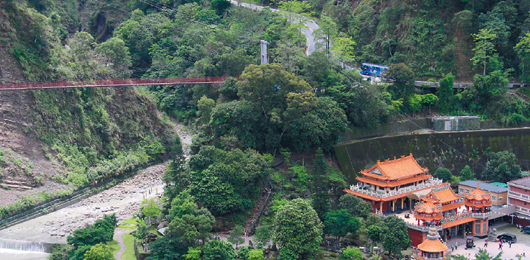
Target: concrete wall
x,y
434,150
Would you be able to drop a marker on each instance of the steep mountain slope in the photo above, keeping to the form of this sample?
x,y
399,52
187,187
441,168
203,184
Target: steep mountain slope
x,y
49,137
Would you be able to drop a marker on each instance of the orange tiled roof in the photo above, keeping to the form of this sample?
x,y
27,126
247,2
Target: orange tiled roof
x,y
478,195
443,196
432,246
393,183
400,168
457,222
428,208
428,218
451,206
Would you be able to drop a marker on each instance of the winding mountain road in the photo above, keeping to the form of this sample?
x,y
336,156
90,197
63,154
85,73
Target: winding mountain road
x,y
307,31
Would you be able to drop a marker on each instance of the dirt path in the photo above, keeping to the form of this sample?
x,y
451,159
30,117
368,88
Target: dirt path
x,y
119,238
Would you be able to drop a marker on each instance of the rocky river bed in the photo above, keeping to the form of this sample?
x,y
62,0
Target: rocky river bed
x,y
123,199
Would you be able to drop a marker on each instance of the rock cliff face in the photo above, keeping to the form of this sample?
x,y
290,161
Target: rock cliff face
x,y
27,160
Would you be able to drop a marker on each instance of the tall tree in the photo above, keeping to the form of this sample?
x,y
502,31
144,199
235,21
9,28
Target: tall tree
x,y
236,235
443,174
356,206
523,51
395,236
466,174
484,48
445,93
99,252
297,228
404,84
339,223
502,167
325,34
219,250
320,200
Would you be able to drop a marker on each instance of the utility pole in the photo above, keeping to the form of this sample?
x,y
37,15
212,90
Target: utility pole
x,y
264,57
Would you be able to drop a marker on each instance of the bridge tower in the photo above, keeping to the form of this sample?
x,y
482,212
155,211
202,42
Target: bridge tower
x,y
264,57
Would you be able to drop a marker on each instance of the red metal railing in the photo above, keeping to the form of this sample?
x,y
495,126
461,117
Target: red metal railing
x,y
112,83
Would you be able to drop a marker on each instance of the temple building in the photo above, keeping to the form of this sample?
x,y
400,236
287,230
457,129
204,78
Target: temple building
x,y
441,209
432,248
403,188
387,184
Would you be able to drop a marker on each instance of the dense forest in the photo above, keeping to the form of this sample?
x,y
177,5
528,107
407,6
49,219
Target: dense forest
x,y
288,113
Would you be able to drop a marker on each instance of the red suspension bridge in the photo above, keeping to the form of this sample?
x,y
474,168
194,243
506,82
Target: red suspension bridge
x,y
113,83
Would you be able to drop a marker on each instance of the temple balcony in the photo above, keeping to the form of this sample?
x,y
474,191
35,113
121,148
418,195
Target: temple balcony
x,y
381,194
484,215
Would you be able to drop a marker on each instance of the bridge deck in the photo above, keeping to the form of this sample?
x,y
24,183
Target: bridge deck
x,y
112,83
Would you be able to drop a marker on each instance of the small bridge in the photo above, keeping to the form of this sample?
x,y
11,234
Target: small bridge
x,y
112,83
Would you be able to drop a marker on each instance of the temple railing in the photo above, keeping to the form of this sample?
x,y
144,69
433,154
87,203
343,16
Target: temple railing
x,y
481,215
455,217
423,228
381,194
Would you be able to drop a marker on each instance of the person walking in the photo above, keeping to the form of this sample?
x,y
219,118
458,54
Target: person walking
x,y
523,253
456,245
510,244
500,245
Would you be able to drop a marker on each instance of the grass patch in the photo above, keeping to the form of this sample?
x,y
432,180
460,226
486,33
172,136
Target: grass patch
x,y
114,248
129,224
128,240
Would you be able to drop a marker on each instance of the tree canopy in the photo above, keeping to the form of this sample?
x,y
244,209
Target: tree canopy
x,y
297,228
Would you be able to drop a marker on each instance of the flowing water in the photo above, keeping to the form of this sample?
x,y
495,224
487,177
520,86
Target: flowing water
x,y
22,250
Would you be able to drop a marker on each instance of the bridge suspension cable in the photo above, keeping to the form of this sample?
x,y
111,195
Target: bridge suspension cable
x,y
113,83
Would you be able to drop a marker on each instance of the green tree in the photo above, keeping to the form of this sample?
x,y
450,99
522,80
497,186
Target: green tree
x,y
256,254
352,253
297,228
205,106
99,252
523,51
375,233
101,231
243,252
445,93
466,174
443,174
502,167
395,237
404,84
150,208
220,6
167,248
483,254
193,254
115,55
339,223
356,206
263,235
141,229
236,235
326,32
484,48
219,250
267,85
192,229
344,48
320,202
297,12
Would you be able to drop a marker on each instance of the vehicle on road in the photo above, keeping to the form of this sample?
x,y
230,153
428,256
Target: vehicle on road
x,y
370,69
507,238
526,230
469,242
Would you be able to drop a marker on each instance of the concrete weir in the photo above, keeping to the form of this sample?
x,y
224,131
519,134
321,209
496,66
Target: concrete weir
x,y
23,250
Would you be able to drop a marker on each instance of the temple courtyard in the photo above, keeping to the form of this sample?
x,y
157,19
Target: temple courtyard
x,y
522,244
